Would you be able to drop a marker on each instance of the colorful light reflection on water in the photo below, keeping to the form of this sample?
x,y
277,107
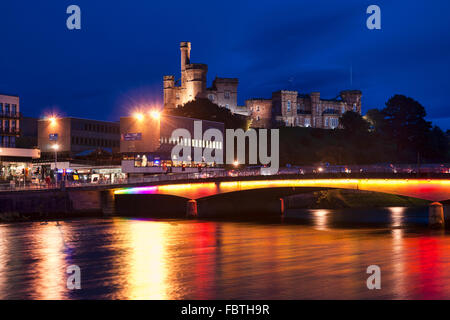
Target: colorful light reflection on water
x,y
178,259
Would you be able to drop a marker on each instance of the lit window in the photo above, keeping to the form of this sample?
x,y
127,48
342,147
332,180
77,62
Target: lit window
x,y
227,94
307,122
289,106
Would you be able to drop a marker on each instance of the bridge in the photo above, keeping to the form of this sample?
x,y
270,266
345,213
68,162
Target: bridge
x,y
193,191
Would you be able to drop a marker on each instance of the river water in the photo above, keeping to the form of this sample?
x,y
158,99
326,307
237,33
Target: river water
x,y
322,254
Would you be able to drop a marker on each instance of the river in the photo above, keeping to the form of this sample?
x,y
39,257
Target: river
x,y
322,254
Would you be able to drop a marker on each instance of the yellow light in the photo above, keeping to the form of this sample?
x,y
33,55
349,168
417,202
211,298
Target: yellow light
x,y
139,116
155,114
55,147
52,120
236,163
320,169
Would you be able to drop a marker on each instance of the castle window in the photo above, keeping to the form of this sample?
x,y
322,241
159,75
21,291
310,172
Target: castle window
x,y
307,122
257,118
211,97
354,107
257,108
334,122
289,106
326,122
227,94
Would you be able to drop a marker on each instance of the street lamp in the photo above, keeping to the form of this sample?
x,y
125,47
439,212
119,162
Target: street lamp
x,y
52,120
139,116
155,114
56,147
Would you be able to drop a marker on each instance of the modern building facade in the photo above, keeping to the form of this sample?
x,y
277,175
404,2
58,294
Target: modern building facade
x,y
146,142
9,120
302,110
192,84
77,137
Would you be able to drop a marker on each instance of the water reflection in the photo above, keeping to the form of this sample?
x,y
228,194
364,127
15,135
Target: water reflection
x,y
145,259
320,218
49,279
397,214
147,265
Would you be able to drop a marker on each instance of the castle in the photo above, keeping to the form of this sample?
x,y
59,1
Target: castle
x,y
302,110
192,84
285,107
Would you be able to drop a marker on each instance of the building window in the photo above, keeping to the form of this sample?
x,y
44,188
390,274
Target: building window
x,y
307,122
326,122
211,97
289,106
257,118
299,110
354,107
14,109
227,94
334,122
7,108
1,107
227,106
257,108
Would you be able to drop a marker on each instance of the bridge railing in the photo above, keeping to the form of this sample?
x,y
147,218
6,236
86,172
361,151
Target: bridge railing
x,y
373,171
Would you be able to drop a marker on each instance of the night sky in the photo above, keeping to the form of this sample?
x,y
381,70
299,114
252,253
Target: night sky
x,y
117,60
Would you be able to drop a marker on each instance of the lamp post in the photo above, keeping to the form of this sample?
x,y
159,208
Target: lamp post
x,y
56,147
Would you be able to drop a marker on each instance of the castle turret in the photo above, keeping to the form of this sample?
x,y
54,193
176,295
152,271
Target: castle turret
x,y
316,110
169,84
185,48
352,99
195,80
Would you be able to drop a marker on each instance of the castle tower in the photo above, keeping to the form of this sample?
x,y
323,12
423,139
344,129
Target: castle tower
x,y
169,95
352,99
316,110
185,48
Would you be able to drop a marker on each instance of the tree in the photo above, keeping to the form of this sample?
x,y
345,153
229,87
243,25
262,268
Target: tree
x,y
354,123
204,109
405,124
376,119
438,145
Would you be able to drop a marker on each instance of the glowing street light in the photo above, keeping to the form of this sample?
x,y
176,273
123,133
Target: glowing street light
x,y
52,120
236,163
155,114
139,116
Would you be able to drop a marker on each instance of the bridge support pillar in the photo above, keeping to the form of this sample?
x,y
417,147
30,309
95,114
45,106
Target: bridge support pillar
x,y
436,215
282,206
191,209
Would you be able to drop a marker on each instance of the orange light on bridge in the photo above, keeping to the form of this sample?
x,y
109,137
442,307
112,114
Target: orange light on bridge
x,y
435,190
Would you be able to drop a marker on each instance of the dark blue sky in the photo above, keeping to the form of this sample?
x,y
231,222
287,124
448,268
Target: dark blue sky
x,y
118,58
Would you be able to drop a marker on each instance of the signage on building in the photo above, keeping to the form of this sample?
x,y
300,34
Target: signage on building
x,y
132,136
53,136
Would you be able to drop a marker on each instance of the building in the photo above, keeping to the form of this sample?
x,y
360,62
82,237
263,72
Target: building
x,y
308,110
9,120
16,163
28,133
192,84
74,137
146,143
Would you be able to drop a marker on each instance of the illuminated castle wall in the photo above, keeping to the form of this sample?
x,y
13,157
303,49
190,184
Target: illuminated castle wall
x,y
192,84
